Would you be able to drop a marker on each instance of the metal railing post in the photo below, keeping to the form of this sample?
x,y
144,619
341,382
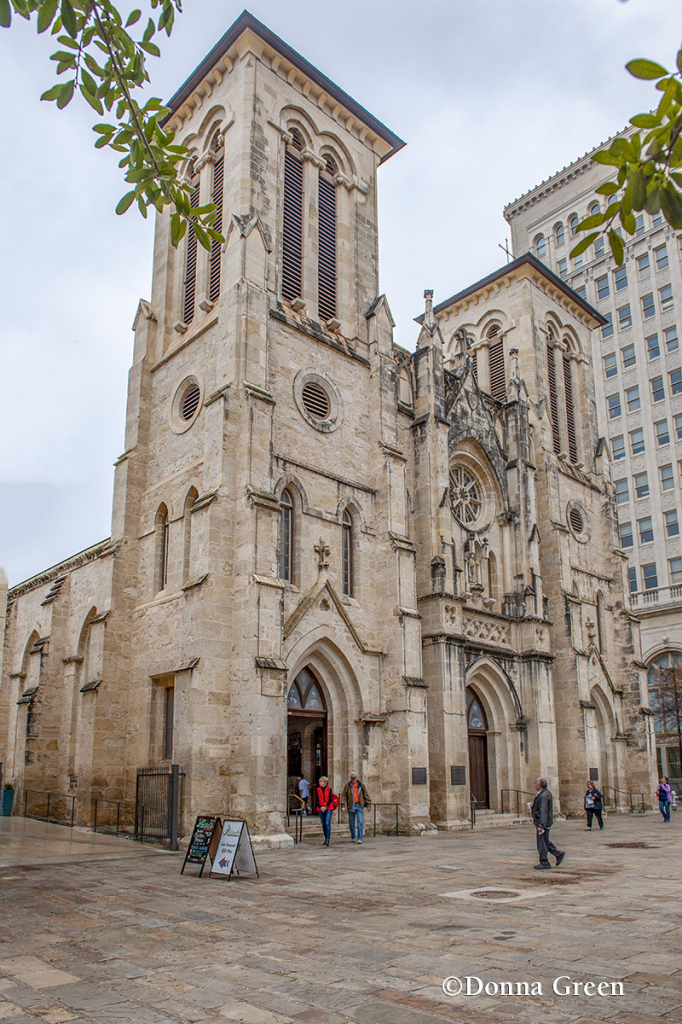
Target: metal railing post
x,y
396,820
175,797
47,812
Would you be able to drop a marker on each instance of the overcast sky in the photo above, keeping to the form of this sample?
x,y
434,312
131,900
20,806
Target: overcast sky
x,y
491,97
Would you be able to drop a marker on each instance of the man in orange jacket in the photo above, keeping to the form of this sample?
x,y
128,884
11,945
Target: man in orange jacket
x,y
355,798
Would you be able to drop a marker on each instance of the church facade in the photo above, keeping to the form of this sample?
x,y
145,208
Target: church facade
x,y
329,553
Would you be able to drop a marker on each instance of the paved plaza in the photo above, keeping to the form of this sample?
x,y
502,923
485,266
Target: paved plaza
x,y
98,929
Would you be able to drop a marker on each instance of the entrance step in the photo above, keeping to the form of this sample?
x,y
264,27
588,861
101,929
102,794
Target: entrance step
x,y
491,819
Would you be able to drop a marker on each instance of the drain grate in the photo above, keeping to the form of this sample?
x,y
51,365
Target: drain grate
x,y
495,894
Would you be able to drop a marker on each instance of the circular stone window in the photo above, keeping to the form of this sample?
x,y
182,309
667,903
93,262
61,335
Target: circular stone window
x,y
318,400
187,404
578,522
466,496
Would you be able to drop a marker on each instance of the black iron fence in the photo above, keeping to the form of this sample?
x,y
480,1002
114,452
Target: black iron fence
x,y
637,802
158,802
513,801
114,817
58,808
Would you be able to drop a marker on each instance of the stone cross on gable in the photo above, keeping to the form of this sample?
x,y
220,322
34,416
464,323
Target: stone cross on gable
x,y
323,551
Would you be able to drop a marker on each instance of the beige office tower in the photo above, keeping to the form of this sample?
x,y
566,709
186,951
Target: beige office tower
x,y
329,553
638,388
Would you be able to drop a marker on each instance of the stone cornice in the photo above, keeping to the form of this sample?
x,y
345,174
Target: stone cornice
x,y
105,547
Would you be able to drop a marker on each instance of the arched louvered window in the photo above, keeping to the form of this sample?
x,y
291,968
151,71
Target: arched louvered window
x,y
292,221
498,383
326,253
347,554
474,365
553,404
191,257
286,537
570,411
217,198
162,548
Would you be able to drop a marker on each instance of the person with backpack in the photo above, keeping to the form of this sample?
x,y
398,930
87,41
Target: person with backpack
x,y
327,802
663,794
356,798
593,806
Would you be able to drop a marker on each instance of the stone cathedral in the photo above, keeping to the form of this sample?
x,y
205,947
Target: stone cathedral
x,y
329,553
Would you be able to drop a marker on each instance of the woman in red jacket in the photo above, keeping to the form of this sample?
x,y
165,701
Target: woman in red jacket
x,y
324,799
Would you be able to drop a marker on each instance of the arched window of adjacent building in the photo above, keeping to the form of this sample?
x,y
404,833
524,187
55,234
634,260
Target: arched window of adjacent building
x,y
286,537
326,253
573,222
347,554
559,234
594,208
540,244
192,496
190,283
601,623
292,220
553,403
217,197
162,548
498,381
570,410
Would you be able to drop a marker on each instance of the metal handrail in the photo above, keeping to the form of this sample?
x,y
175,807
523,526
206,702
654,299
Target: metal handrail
x,y
108,829
397,816
519,793
631,797
472,805
49,794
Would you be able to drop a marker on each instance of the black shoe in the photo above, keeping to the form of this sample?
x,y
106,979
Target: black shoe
x,y
543,867
560,857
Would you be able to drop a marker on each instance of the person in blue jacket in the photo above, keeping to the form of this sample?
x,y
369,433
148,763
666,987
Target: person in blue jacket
x,y
663,794
593,805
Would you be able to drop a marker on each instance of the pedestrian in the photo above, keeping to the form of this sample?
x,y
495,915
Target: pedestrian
x,y
324,807
303,788
543,819
593,805
356,798
663,794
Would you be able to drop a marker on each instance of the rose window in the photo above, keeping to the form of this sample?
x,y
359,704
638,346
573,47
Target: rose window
x,y
465,496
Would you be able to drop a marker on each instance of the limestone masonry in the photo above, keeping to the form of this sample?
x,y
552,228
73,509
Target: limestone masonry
x,y
329,553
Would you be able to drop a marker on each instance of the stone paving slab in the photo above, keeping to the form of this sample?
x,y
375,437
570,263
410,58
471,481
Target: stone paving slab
x,y
98,930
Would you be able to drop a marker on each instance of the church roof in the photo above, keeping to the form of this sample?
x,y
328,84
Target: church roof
x,y
509,268
247,21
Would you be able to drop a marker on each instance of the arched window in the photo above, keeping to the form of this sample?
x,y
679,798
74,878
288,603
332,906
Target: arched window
x,y
190,284
326,253
498,381
286,537
570,411
573,224
559,234
292,220
553,404
162,548
187,550
541,246
217,197
594,208
663,678
347,554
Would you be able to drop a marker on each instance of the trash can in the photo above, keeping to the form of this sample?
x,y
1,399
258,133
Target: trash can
x,y
6,801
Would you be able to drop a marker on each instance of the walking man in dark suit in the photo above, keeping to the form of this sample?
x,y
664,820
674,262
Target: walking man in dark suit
x,y
543,819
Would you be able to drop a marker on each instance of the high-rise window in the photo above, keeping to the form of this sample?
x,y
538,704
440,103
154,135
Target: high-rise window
x,y
646,530
559,234
286,537
326,253
190,284
666,297
667,477
614,406
347,554
662,433
657,389
562,267
672,342
661,255
162,548
598,247
642,485
637,441
648,306
632,398
607,329
672,526
675,381
626,538
603,290
675,570
639,224
632,579
678,427
624,317
650,576
652,347
620,278
573,224
618,447
622,491
629,356
644,266
581,290
292,219
217,197
541,247
610,365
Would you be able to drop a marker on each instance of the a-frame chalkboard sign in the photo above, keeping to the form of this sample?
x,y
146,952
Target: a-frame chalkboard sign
x,y
235,852
204,841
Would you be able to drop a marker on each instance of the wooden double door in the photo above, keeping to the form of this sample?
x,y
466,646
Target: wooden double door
x,y
477,728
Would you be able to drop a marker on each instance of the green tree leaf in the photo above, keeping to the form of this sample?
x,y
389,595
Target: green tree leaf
x,y
609,188
671,205
585,243
46,13
65,94
127,201
641,68
617,246
637,190
133,17
5,14
53,93
645,121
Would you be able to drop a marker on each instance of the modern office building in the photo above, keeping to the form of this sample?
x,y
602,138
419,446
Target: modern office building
x,y
638,386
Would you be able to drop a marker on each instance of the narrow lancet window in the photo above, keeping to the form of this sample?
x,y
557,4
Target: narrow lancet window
x,y
326,258
216,247
286,537
347,554
191,258
292,223
553,405
570,411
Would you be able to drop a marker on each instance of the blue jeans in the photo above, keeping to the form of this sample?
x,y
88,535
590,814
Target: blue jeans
x,y
326,819
359,813
664,808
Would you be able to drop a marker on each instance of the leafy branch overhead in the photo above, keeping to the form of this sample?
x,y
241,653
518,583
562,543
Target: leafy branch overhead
x,y
100,59
648,163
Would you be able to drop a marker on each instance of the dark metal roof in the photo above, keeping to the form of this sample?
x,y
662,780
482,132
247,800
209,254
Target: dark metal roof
x,y
534,262
247,21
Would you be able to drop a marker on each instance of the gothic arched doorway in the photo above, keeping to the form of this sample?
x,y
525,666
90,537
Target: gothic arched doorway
x,y
477,729
306,729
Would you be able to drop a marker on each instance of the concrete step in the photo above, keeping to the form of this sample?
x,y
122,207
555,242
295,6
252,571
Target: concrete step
x,y
491,819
